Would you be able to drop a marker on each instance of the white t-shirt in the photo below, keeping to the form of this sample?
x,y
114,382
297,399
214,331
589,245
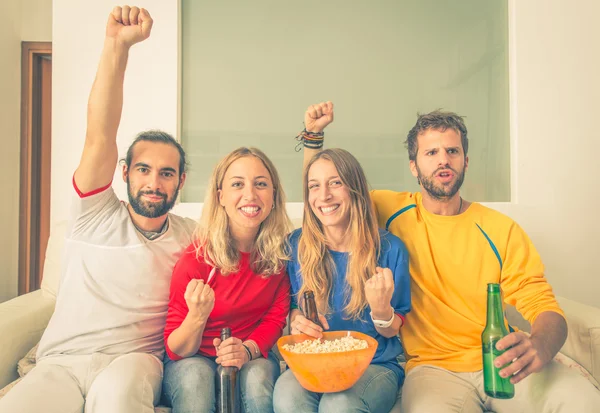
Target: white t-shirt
x,y
114,288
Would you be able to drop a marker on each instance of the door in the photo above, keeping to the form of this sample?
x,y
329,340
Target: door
x,y
36,111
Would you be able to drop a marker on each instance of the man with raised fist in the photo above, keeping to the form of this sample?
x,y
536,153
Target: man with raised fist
x,y
103,347
456,247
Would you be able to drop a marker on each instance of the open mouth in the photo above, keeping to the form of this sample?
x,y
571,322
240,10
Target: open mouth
x,y
445,175
250,211
329,209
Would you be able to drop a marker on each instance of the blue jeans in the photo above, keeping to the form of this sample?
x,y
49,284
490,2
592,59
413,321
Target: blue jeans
x,y
189,384
374,392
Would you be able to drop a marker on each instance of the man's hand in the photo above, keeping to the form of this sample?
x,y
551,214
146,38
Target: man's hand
x,y
318,116
230,352
378,291
527,353
200,299
128,25
302,325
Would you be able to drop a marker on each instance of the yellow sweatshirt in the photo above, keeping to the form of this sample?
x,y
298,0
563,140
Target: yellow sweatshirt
x,y
452,258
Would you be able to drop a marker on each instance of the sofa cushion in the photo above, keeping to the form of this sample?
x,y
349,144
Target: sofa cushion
x,y
595,351
583,342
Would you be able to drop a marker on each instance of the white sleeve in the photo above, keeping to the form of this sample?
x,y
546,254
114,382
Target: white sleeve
x,y
91,210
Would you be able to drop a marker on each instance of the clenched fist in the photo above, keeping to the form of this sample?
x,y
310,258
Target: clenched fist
x,y
318,116
129,25
378,291
200,299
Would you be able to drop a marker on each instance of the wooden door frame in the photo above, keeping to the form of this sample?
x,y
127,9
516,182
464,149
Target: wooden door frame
x,y
29,205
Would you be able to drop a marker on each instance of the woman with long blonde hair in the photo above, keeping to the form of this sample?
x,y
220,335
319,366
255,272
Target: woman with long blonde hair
x,y
359,277
233,275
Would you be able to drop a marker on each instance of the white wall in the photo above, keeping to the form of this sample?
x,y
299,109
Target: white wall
x,y
150,99
557,95
29,20
554,94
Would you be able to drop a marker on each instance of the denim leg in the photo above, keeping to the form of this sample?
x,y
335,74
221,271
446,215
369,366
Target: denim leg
x,y
374,392
189,384
257,380
291,397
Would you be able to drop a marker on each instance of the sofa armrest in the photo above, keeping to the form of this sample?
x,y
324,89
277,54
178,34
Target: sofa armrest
x,y
583,342
22,322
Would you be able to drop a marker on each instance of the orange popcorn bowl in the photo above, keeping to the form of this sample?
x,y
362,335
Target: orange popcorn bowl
x,y
328,372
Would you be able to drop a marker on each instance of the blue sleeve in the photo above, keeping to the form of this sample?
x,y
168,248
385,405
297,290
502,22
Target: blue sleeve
x,y
291,270
293,267
401,297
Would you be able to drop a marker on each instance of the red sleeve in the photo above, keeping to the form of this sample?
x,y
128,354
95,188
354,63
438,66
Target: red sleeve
x,y
94,192
185,269
273,322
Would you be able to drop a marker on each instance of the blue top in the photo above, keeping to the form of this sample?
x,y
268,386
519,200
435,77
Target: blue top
x,y
394,256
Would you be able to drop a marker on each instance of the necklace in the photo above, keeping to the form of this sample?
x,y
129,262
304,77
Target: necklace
x,y
459,207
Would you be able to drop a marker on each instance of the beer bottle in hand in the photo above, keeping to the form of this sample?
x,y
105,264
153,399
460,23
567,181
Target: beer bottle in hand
x,y
310,308
493,384
227,378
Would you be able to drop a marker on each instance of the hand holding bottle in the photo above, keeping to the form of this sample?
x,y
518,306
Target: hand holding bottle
x,y
527,354
311,322
302,325
230,352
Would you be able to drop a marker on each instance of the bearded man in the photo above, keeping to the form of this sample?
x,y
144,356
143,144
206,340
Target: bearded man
x,y
102,350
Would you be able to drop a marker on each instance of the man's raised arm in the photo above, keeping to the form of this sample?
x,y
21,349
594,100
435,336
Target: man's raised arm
x,y
126,26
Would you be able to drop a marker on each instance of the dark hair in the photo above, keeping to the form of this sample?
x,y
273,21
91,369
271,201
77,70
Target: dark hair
x,y
436,120
160,137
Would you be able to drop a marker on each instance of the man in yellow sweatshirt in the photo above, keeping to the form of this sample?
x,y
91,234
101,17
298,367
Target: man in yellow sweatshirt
x,y
456,247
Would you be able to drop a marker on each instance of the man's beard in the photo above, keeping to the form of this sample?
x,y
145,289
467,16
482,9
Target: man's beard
x,y
151,209
441,192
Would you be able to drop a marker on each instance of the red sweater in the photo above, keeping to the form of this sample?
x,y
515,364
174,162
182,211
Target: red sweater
x,y
254,307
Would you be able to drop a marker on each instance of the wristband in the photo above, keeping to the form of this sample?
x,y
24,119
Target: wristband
x,y
383,323
247,352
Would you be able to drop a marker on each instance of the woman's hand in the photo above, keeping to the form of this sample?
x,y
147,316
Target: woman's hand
x,y
378,291
200,299
231,352
318,116
302,325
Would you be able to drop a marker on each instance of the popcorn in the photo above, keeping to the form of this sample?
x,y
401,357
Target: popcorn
x,y
347,343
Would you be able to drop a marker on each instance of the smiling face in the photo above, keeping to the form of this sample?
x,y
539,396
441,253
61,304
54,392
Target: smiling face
x,y
247,195
153,180
328,197
440,164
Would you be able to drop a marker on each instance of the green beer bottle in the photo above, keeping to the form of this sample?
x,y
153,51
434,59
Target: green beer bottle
x,y
495,329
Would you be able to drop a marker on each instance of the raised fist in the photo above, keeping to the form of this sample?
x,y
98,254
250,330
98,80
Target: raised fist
x,y
318,116
129,25
200,299
379,290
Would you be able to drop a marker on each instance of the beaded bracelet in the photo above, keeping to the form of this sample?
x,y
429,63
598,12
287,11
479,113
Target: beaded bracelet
x,y
310,140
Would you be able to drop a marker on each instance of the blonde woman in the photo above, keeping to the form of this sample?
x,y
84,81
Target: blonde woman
x,y
233,275
359,275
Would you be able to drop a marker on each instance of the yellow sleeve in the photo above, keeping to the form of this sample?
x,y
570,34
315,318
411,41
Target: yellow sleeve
x,y
523,282
381,217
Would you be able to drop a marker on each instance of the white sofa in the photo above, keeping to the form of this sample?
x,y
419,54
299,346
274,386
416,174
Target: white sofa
x,y
23,320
